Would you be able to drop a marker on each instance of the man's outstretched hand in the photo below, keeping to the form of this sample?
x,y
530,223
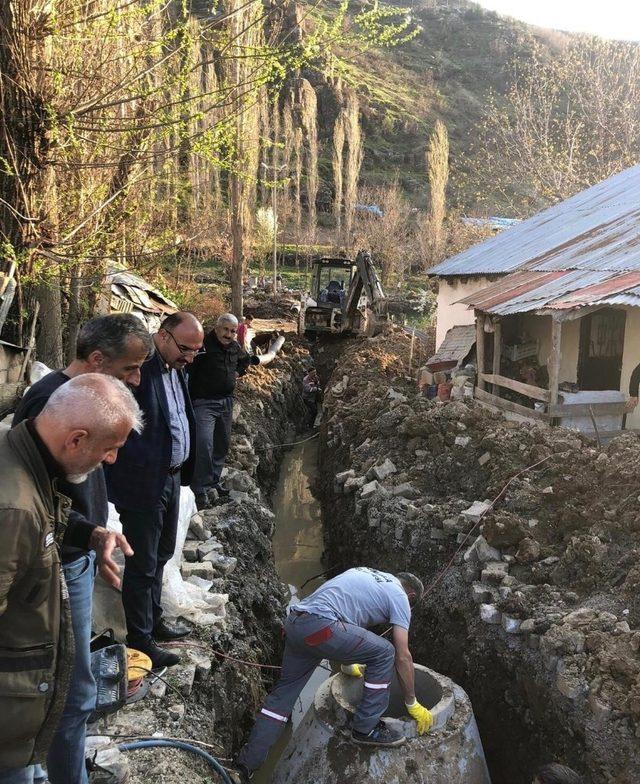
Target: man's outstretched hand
x,y
104,542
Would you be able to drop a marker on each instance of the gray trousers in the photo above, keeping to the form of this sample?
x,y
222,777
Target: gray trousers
x,y
309,640
213,436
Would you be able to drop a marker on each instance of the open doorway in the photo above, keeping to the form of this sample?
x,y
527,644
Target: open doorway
x,y
601,347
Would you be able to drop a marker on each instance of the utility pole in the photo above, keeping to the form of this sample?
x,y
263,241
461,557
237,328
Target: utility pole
x,y
274,209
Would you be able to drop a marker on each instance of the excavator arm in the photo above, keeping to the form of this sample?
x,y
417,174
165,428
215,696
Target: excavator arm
x,y
365,280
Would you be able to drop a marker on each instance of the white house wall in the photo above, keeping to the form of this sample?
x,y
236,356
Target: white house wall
x,y
450,314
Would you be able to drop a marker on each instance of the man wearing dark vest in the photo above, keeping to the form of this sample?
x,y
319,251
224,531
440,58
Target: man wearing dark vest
x,y
145,482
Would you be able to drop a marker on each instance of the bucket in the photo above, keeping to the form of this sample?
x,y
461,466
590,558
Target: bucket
x,y
444,391
432,391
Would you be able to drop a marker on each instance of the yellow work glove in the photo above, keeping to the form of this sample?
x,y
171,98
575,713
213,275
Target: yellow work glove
x,y
356,670
421,715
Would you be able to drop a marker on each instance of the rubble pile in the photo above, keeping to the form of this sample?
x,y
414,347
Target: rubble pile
x,y
211,696
540,606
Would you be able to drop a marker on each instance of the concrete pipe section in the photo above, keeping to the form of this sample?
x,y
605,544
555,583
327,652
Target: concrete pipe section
x,y
321,752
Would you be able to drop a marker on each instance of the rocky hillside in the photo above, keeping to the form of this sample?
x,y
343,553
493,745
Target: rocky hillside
x,y
461,54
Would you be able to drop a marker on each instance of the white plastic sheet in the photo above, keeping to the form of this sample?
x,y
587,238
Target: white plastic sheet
x,y
181,598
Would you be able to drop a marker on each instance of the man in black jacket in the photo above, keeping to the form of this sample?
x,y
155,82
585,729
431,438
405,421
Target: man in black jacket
x,y
114,346
212,380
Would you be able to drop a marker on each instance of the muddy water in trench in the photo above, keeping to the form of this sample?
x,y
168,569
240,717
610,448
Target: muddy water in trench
x,y
297,547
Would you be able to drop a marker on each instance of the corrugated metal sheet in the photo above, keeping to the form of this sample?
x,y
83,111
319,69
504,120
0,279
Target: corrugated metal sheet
x,y
597,230
523,292
457,344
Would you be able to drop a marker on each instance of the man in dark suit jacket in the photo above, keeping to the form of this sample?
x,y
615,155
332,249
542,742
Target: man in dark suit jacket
x,y
145,482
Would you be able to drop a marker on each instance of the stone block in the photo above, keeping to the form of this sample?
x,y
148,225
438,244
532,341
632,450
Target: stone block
x,y
481,594
202,569
437,534
511,625
207,547
197,527
222,564
493,572
342,477
369,490
190,550
386,469
463,441
240,496
476,511
354,483
489,613
485,551
406,490
484,459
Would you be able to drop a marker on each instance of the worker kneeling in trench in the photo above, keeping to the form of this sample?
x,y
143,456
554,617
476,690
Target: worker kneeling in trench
x,y
331,624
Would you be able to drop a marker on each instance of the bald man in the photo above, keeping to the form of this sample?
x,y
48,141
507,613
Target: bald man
x,y
145,483
83,424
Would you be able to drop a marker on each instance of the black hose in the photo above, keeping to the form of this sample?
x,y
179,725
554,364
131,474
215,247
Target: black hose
x,y
178,744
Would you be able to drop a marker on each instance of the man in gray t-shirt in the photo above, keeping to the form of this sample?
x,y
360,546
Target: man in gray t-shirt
x,y
333,624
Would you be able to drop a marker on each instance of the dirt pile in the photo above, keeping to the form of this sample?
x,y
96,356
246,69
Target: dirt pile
x,y
542,594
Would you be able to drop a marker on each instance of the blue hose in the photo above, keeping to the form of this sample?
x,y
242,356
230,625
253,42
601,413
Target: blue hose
x,y
178,744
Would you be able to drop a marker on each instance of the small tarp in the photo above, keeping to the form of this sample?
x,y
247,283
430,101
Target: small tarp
x,y
457,344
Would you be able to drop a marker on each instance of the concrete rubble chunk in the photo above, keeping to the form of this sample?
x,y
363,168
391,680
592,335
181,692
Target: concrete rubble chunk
x,y
581,617
386,469
201,569
489,613
197,527
369,489
527,626
463,441
182,677
511,625
481,594
190,550
354,483
207,547
397,396
406,490
484,550
493,572
176,712
240,496
222,564
484,459
476,511
342,477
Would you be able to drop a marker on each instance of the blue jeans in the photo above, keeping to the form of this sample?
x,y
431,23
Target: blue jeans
x,y
213,436
65,761
34,774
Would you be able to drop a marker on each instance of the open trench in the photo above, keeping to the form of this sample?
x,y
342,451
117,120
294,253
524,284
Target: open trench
x,y
306,527
535,702
523,720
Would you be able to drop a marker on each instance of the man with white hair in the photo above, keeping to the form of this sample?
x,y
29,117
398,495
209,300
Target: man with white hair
x,y
84,423
212,381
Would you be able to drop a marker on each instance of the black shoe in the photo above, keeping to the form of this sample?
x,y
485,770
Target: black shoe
x,y
202,501
159,657
222,490
380,735
166,633
244,774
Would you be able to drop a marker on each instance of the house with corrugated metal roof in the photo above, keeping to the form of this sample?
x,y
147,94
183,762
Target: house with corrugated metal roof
x,y
556,303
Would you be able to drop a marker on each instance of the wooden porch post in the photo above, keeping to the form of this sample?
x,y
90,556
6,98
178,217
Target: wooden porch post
x,y
497,349
480,317
554,360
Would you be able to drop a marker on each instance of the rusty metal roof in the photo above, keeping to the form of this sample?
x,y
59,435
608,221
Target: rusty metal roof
x,y
596,230
523,292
